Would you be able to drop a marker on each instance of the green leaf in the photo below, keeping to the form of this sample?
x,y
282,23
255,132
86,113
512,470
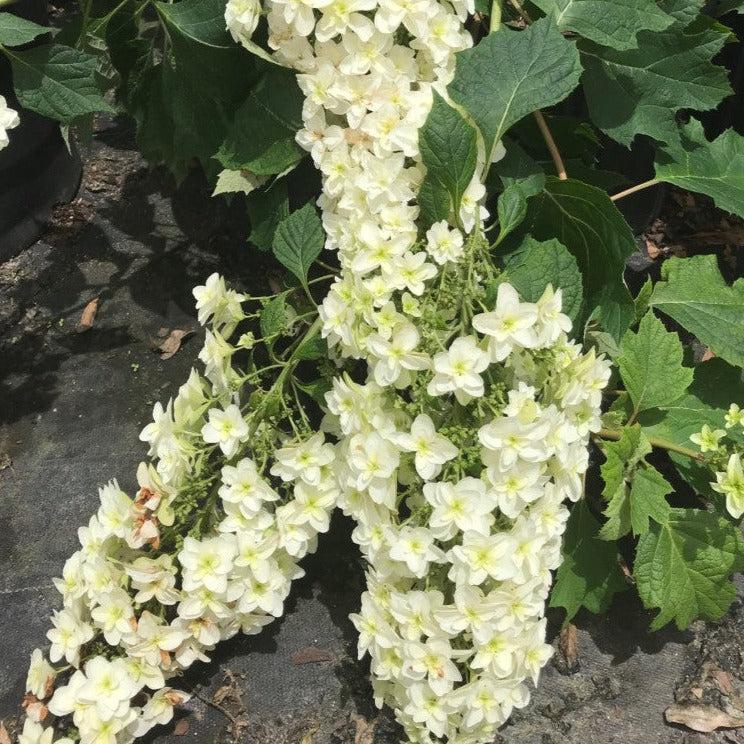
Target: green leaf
x,y
235,182
643,298
589,575
683,567
648,499
434,203
312,348
683,11
449,149
15,31
693,292
299,240
634,490
262,136
715,386
274,317
639,91
511,210
536,264
203,50
651,365
613,23
518,168
714,168
510,74
57,81
584,219
727,6
267,207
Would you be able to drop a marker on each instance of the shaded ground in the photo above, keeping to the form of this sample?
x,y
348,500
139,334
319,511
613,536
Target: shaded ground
x,y
71,406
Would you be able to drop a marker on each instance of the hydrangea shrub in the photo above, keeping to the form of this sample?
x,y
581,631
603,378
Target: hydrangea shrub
x,y
453,338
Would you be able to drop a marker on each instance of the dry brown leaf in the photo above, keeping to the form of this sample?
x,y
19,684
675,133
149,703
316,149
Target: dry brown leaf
x,y
88,316
311,655
568,647
365,730
4,735
707,354
702,718
697,692
172,343
182,727
652,249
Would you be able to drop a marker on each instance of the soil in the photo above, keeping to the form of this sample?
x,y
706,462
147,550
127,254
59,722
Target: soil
x,y
72,404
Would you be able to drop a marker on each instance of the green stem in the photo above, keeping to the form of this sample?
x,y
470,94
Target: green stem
x,y
495,16
614,435
634,189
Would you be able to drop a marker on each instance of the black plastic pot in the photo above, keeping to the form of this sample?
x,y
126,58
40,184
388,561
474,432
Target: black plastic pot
x,y
36,170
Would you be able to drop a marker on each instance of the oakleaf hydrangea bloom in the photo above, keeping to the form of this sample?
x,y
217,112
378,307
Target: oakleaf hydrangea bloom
x,y
9,119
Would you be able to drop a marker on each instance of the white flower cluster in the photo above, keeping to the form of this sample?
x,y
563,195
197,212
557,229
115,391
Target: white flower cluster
x,y
456,455
9,119
461,539
368,69
150,592
730,480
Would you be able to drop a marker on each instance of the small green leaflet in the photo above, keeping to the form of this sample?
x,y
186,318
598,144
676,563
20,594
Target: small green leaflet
x,y
311,348
57,81
15,31
511,210
683,567
298,241
273,318
714,168
651,365
267,207
510,74
235,182
584,219
634,490
449,150
694,293
613,23
589,575
638,91
262,136
716,385
536,264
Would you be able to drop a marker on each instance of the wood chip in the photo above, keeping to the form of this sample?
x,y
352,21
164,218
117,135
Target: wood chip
x,y
172,343
702,718
311,655
222,693
365,730
568,648
4,735
182,727
722,681
88,316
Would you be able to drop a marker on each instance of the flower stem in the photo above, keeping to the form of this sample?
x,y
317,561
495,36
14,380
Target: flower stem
x,y
614,435
552,147
634,189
